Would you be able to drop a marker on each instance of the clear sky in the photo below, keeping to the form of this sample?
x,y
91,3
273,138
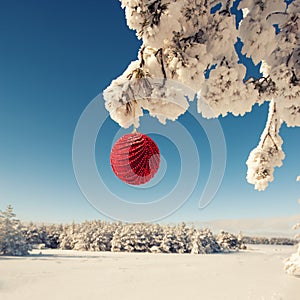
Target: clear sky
x,y
55,57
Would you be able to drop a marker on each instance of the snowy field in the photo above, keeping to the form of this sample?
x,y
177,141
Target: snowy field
x,y
59,274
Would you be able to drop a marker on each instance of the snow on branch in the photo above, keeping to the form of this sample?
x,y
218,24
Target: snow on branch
x,y
268,154
192,43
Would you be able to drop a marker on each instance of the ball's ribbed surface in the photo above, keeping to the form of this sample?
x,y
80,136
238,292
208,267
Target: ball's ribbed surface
x,y
135,158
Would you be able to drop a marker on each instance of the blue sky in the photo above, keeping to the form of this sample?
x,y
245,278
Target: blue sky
x,y
55,57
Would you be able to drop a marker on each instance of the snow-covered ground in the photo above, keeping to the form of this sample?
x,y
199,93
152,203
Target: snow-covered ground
x,y
56,274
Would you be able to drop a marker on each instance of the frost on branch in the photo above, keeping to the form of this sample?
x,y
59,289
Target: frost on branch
x,y
268,154
225,86
256,29
280,53
192,43
182,41
128,95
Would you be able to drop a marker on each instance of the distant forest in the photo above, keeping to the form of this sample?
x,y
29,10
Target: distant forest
x,y
17,238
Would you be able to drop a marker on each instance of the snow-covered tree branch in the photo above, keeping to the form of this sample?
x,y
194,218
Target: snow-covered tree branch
x,y
268,154
193,42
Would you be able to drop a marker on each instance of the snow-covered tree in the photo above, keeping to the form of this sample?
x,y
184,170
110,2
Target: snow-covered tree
x,y
93,236
268,241
204,242
292,264
173,240
12,240
176,239
83,236
40,236
32,234
102,235
67,237
163,239
184,238
137,238
53,232
229,241
192,42
36,235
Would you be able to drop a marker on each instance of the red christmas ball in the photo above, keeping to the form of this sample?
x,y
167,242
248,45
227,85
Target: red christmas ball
x,y
135,158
